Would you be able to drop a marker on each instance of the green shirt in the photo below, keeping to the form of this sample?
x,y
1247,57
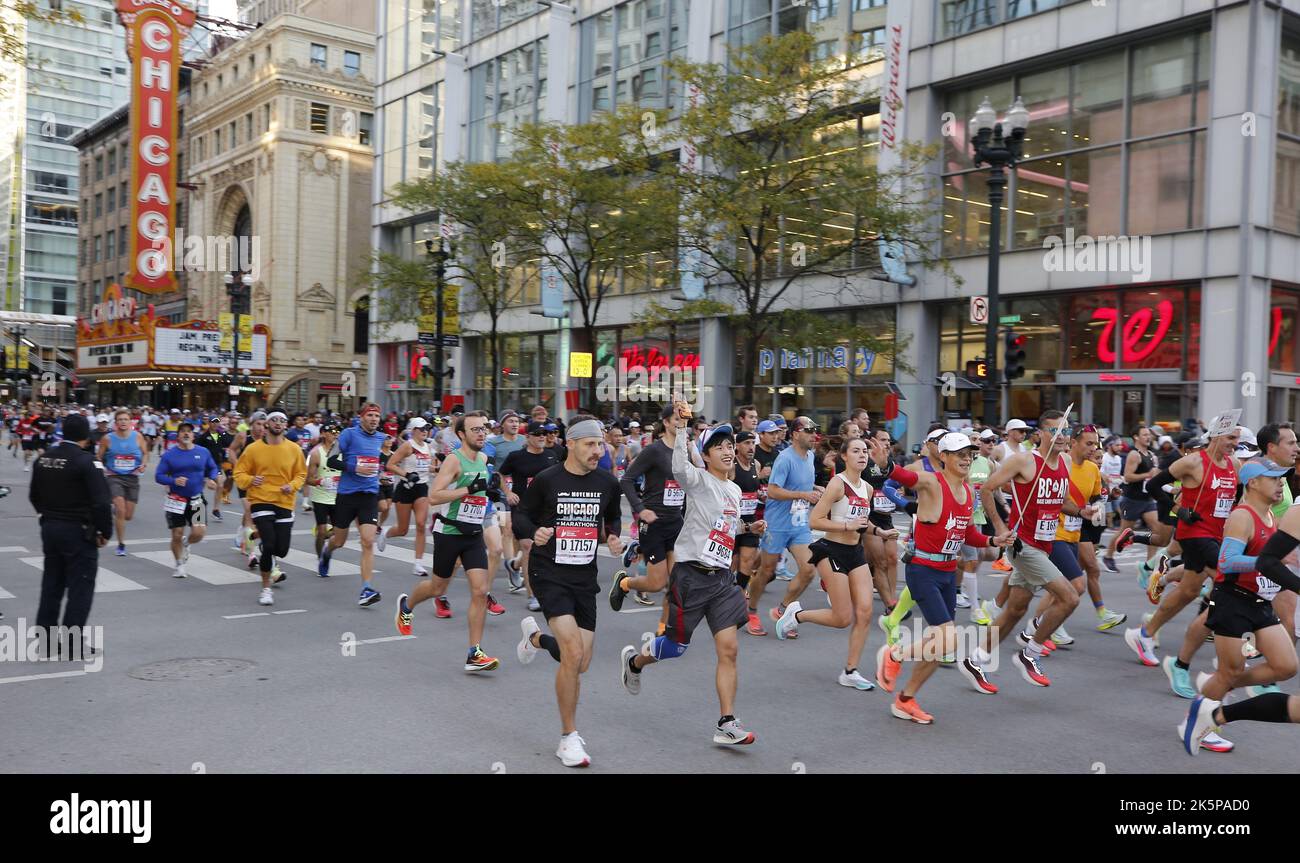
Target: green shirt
x,y
468,512
1280,508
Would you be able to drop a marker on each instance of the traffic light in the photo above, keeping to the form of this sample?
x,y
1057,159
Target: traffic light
x,y
1014,361
977,369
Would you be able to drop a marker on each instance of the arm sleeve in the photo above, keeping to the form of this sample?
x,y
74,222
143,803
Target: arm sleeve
x,y
684,470
1156,485
975,537
1233,557
904,477
628,483
890,491
1270,564
101,502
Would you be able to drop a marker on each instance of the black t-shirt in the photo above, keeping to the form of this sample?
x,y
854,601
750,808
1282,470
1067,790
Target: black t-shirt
x,y
559,451
580,508
765,458
750,489
521,466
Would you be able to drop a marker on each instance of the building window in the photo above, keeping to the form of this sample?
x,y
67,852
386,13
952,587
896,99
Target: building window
x,y
81,258
109,245
99,167
488,16
266,118
234,134
126,152
99,249
863,5
507,90
121,195
248,126
351,63
216,143
361,326
964,16
99,204
318,54
365,128
867,46
624,50
320,118
1082,171
121,241
112,198
112,162
1286,164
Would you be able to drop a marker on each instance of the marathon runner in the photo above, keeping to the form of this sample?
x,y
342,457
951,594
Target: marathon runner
x,y
214,437
753,495
1137,505
518,471
981,468
186,469
1241,604
255,431
149,427
271,471
323,485
1209,490
945,506
411,463
358,453
565,509
125,455
1040,485
702,586
842,513
460,505
1277,443
500,447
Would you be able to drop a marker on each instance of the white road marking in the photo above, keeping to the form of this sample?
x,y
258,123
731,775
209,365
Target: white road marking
x,y
307,561
4,594
242,616
12,548
26,677
641,610
106,581
202,568
291,611
382,640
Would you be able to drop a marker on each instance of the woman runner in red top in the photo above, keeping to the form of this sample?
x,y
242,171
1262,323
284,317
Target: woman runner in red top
x,y
945,504
1242,599
1040,480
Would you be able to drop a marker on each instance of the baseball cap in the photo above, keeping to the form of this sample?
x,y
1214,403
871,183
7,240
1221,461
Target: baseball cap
x,y
1252,469
741,437
634,425
1013,425
551,427
102,418
767,426
988,434
717,435
1247,444
1165,439
416,423
780,422
175,410
75,428
954,442
257,415
936,434
536,427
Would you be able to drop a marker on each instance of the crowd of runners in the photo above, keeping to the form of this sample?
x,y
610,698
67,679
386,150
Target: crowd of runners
x,y
721,512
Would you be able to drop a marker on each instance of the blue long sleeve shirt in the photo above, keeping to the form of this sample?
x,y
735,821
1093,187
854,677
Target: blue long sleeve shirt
x,y
195,464
355,444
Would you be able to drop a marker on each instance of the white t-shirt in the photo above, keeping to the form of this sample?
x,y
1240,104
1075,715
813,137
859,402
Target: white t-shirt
x,y
1112,469
312,429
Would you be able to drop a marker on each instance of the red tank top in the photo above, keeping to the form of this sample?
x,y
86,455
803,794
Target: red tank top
x,y
947,534
1213,499
1036,506
1253,581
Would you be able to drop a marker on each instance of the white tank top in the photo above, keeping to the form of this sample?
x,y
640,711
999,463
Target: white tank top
x,y
856,502
417,462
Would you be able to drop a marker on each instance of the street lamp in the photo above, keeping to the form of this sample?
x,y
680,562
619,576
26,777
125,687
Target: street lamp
x,y
239,285
1000,146
438,257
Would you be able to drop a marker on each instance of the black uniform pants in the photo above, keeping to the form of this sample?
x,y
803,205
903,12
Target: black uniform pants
x,y
71,562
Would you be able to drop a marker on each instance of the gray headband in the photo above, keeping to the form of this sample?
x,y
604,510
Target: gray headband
x,y
586,428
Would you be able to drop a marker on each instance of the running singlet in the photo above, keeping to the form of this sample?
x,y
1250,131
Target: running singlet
x,y
1214,499
1036,506
856,503
948,534
327,492
577,507
417,462
1085,484
1134,490
123,455
464,516
751,493
1253,581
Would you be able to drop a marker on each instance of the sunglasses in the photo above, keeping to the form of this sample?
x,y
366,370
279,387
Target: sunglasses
x,y
809,428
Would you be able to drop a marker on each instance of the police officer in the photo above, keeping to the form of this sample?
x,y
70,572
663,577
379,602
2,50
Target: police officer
x,y
70,494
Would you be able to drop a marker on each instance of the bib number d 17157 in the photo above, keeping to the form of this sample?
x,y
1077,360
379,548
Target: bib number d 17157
x,y
720,544
575,546
1223,506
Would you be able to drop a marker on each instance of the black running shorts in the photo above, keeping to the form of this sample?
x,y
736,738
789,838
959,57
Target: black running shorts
x,y
659,537
359,506
696,594
560,593
843,558
448,548
410,493
1200,554
1235,612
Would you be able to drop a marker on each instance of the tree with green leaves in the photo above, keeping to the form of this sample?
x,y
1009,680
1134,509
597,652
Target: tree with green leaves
x,y
786,190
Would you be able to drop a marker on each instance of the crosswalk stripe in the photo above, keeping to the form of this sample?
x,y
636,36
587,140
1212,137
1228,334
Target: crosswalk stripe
x,y
307,561
4,594
202,568
13,548
106,581
396,552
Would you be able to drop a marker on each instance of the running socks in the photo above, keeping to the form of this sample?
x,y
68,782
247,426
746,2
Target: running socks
x,y
1269,707
550,645
905,604
631,664
971,586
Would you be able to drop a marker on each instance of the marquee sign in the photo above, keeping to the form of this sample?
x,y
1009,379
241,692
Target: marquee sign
x,y
154,31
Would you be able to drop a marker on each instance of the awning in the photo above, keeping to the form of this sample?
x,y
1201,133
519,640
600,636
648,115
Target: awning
x,y
145,377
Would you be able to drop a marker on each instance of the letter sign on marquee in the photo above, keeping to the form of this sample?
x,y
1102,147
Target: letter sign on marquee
x,y
154,30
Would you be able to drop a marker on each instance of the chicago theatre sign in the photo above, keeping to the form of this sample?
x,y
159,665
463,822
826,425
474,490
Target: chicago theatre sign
x,y
155,29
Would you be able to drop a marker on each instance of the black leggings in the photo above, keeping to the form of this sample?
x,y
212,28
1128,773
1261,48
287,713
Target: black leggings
x,y
274,529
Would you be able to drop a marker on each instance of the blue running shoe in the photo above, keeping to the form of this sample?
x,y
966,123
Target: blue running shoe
x,y
323,563
369,596
1179,678
630,553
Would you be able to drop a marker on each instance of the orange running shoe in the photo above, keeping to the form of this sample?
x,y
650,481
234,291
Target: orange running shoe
x,y
755,626
1001,565
887,668
910,711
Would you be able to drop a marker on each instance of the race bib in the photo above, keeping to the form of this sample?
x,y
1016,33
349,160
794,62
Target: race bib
x,y
799,513
1073,523
367,465
473,508
674,494
618,471
123,463
1267,588
329,483
952,545
882,503
748,502
719,545
858,507
1222,507
175,504
421,463
1045,529
575,545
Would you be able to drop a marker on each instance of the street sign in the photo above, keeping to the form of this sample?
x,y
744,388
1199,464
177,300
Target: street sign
x,y
579,364
1009,319
979,310
428,339
449,341
234,391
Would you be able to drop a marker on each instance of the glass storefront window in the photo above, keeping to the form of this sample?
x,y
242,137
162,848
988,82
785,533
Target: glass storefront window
x,y
1097,100
1169,92
1283,335
1166,178
1094,192
1152,337
1041,325
1046,95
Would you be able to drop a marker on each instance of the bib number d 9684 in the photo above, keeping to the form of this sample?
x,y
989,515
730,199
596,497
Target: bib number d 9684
x,y
720,544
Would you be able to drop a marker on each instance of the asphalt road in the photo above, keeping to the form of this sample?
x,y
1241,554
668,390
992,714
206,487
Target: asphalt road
x,y
307,702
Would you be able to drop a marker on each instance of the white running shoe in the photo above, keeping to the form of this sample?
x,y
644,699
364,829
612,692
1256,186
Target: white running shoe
x,y
419,571
266,598
1202,679
788,623
1062,638
631,681
979,615
963,601
381,540
179,571
571,751
526,651
856,681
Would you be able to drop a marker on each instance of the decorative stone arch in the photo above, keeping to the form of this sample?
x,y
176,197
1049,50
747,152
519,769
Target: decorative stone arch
x,y
299,379
234,200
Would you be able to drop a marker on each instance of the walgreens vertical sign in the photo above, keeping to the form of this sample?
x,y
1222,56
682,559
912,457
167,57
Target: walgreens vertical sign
x,y
154,30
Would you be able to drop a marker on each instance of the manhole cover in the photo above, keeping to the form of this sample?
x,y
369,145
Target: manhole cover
x,y
202,668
